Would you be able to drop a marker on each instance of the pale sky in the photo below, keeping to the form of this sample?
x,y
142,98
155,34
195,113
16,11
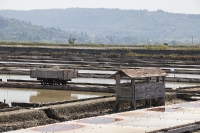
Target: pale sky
x,y
175,6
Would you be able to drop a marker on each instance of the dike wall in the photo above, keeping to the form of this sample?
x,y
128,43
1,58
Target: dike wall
x,y
25,118
97,51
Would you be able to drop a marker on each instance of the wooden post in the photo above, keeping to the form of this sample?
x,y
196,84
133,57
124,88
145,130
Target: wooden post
x,y
156,100
163,79
148,100
163,99
157,79
118,91
133,102
148,79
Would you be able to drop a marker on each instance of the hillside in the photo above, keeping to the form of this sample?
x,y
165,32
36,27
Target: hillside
x,y
115,25
20,31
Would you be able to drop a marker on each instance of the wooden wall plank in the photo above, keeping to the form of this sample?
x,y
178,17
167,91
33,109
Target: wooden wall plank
x,y
144,91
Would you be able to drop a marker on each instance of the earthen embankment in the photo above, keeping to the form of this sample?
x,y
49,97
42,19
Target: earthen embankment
x,y
94,51
25,118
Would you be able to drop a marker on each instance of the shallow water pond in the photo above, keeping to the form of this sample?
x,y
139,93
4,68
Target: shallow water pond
x,y
43,95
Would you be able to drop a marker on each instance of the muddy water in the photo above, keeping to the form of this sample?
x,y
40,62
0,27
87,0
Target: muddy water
x,y
172,68
32,63
175,85
184,75
43,96
97,71
4,77
96,81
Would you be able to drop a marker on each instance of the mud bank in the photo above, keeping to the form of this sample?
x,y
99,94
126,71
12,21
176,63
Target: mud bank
x,y
72,87
96,51
25,118
78,110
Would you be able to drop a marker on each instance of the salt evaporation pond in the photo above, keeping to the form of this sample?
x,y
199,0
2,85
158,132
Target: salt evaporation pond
x,y
43,95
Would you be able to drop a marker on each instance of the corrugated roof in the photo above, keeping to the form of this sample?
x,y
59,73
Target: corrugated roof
x,y
144,72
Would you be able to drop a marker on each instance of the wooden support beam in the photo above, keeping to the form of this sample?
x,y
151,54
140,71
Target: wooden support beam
x,y
149,102
148,80
163,99
133,102
163,79
118,91
157,79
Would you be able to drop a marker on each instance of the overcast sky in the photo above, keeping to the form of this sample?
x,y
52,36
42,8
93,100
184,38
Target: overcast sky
x,y
175,6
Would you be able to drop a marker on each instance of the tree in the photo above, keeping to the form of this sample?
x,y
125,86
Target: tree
x,y
71,40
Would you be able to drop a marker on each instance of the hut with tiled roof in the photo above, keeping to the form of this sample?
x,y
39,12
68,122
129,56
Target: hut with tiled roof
x,y
145,84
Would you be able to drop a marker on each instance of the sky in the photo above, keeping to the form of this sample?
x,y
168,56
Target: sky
x,y
173,6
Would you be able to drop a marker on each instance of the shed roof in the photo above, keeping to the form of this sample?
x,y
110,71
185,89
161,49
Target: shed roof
x,y
142,73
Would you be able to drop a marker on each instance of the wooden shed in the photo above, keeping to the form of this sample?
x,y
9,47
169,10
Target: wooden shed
x,y
144,84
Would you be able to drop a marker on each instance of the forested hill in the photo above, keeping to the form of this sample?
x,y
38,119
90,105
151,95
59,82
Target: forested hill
x,y
20,31
115,25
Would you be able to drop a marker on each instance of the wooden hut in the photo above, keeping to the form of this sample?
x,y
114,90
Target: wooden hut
x,y
145,84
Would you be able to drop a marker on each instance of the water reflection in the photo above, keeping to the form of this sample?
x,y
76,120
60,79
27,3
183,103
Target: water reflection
x,y
16,95
43,96
175,85
97,71
172,68
4,77
96,80
183,75
28,63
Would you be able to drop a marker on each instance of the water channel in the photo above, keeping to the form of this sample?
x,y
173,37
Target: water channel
x,y
43,96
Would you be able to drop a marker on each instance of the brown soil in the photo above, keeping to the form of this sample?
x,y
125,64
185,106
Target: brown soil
x,y
23,119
